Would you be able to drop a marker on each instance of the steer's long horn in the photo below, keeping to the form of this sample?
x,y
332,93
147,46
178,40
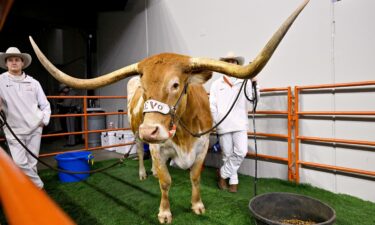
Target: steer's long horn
x,y
251,70
84,83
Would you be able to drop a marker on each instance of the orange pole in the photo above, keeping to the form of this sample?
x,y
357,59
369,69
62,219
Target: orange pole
x,y
274,89
268,135
89,149
336,140
108,97
351,84
338,168
82,132
85,123
91,114
296,133
23,202
290,120
271,112
269,157
87,97
347,113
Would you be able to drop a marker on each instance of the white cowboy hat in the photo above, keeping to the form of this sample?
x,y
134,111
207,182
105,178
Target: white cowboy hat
x,y
231,55
14,52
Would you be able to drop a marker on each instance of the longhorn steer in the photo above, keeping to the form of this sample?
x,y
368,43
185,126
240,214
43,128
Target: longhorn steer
x,y
170,94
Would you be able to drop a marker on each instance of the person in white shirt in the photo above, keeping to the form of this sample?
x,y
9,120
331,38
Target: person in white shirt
x,y
26,108
232,131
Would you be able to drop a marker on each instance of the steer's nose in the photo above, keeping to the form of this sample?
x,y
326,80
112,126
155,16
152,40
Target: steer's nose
x,y
149,133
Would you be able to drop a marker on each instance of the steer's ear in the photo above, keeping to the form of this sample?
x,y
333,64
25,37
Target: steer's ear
x,y
200,77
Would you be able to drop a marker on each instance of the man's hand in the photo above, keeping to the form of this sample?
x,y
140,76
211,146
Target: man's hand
x,y
254,81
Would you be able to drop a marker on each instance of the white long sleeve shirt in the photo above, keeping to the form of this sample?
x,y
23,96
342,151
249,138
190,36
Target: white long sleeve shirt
x,y
25,105
222,95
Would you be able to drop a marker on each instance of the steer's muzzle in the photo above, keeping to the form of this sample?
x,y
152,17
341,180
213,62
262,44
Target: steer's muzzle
x,y
153,133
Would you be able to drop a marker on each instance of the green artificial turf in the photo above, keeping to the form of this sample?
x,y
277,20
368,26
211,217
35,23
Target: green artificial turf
x,y
117,196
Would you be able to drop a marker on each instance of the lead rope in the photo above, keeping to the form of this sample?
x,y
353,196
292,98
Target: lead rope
x,y
216,125
255,103
4,123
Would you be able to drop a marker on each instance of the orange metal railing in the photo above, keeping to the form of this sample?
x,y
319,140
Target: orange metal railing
x,y
22,196
17,193
22,202
85,130
299,138
288,113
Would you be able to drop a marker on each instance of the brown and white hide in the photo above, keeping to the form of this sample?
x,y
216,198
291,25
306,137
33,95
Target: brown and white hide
x,y
163,79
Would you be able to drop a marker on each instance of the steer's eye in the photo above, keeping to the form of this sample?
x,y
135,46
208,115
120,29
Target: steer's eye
x,y
175,85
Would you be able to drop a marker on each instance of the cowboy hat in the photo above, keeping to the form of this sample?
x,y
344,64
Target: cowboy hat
x,y
231,55
14,52
62,87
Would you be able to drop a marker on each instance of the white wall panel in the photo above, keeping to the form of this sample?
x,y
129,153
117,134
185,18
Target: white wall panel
x,y
356,158
273,125
265,169
356,187
318,154
329,42
354,40
318,179
121,42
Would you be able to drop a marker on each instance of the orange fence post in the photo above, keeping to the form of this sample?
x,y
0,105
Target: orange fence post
x,y
291,170
85,123
288,136
23,202
296,132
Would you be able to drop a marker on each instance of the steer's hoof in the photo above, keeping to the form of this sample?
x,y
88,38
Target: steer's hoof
x,y
165,217
142,175
198,208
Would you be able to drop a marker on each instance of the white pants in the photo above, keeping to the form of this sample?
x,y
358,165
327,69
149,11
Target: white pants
x,y
234,149
22,158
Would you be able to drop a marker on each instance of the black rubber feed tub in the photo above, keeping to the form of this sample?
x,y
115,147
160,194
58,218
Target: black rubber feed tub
x,y
287,208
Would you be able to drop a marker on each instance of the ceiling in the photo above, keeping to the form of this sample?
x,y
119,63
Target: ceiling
x,y
27,16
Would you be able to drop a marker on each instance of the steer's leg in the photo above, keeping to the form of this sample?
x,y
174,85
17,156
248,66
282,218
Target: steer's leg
x,y
140,152
195,176
159,164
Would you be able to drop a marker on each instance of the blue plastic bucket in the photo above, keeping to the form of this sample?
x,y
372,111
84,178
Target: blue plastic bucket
x,y
74,161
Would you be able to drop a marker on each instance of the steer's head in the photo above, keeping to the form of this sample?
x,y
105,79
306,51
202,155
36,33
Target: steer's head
x,y
164,78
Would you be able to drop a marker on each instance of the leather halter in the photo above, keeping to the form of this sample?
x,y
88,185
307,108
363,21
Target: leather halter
x,y
152,105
